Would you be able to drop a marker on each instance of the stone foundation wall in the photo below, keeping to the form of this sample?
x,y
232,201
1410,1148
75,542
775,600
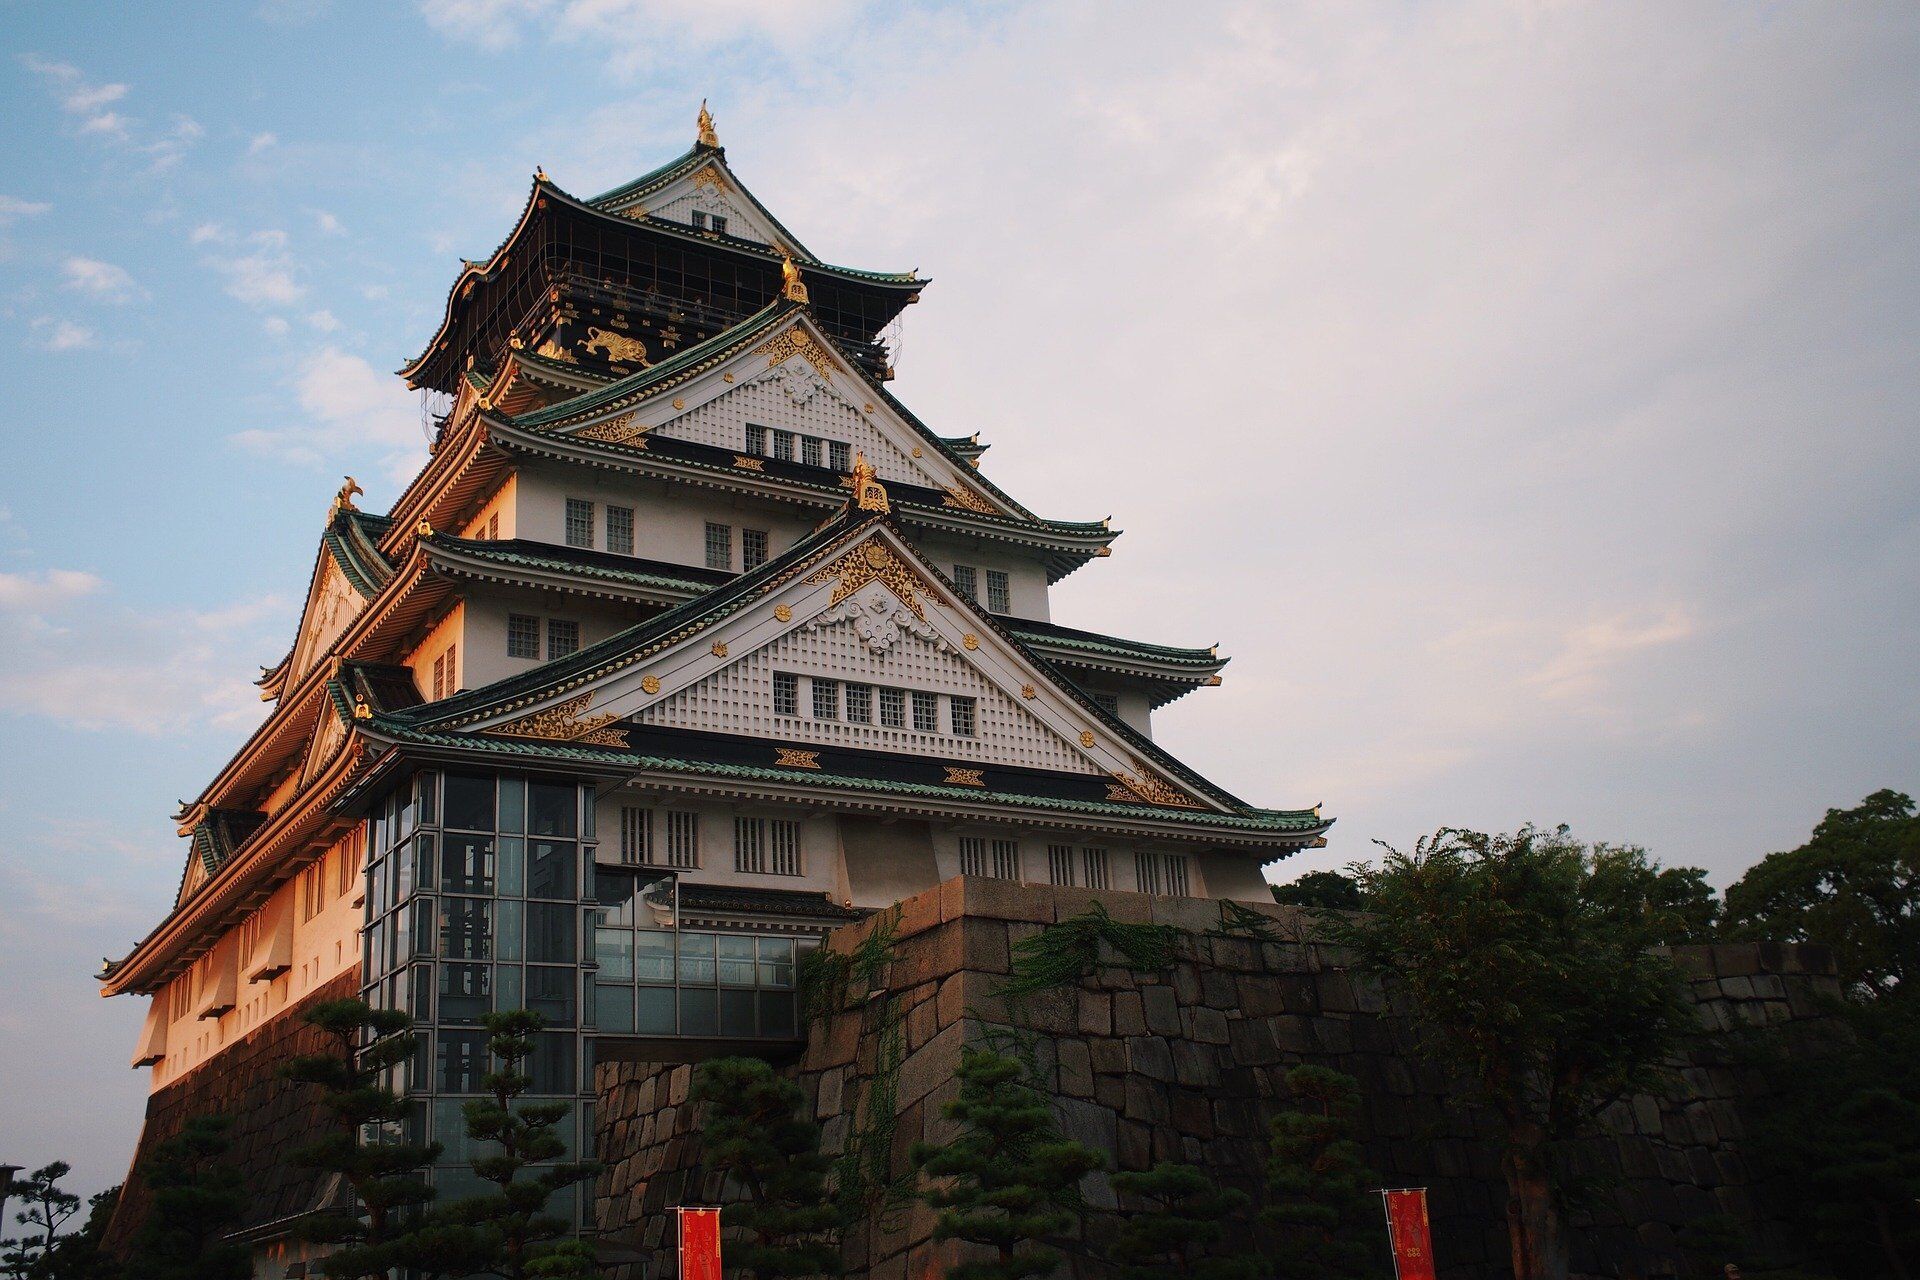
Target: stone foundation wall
x,y
1187,1065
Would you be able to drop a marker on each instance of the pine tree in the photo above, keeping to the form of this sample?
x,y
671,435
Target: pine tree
x,y
48,1206
508,1232
384,1176
1319,1205
1189,1213
755,1132
1011,1180
197,1199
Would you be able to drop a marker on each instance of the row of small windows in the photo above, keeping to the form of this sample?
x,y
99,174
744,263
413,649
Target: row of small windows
x,y
714,222
580,522
523,636
1087,866
792,446
719,542
885,705
761,846
446,673
999,596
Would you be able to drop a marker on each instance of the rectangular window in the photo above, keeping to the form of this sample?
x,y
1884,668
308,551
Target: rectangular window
x,y
753,548
961,712
756,439
439,677
783,841
1006,859
579,522
1093,865
839,455
683,839
999,599
699,219
523,636
1107,702
636,834
563,637
893,708
826,699
967,578
1177,884
620,530
973,856
750,845
719,223
783,445
810,451
786,693
719,546
493,527
926,711
860,703
1147,873
453,669
1060,863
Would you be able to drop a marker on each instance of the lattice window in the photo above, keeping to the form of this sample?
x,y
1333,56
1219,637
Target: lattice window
x,y
439,677
1060,863
349,854
893,708
999,598
683,838
926,711
699,219
493,527
1006,859
960,711
719,223
786,693
973,856
860,703
1177,884
579,522
826,699
839,455
967,578
636,834
1148,873
719,546
750,845
783,445
783,847
753,548
810,450
563,637
756,440
523,636
1094,872
1107,702
453,669
620,530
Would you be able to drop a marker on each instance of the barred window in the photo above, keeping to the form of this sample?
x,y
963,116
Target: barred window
x,y
523,636
453,669
786,693
839,455
753,548
810,450
1006,859
967,578
826,699
926,711
999,599
893,708
1107,702
719,222
961,712
719,546
1093,867
750,845
1176,864
783,445
349,867
973,856
683,839
756,439
783,846
563,638
1147,872
579,522
1060,863
860,703
636,834
439,677
620,530
699,219
493,526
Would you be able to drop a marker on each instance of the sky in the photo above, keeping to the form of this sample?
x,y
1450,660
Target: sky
x,y
1522,394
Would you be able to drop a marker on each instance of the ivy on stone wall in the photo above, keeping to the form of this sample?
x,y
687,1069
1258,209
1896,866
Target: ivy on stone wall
x,y
1062,954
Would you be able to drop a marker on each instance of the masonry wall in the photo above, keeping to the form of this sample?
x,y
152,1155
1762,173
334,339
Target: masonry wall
x,y
1187,1066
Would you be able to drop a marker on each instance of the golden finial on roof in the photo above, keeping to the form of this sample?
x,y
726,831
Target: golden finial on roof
x,y
539,173
361,711
708,138
868,493
343,501
790,282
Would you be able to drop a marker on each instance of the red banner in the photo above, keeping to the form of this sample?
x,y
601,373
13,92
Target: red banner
x,y
699,1244
1407,1228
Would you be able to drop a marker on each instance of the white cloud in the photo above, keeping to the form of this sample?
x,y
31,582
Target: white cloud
x,y
323,320
261,142
491,24
349,408
264,276
62,335
208,233
276,326
47,589
98,279
12,207
328,224
636,33
90,105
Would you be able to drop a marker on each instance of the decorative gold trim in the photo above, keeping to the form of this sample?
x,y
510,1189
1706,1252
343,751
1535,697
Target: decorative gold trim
x,y
424,529
1026,691
726,377
719,648
709,137
1086,737
970,640
795,342
964,777
343,501
1213,682
565,722
746,463
711,176
617,347
783,613
794,758
916,451
615,430
873,561
791,284
1149,790
649,684
966,500
868,493
361,711
679,402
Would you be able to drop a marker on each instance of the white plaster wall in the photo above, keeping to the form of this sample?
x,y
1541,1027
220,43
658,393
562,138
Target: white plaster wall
x,y
668,524
1026,578
821,862
483,638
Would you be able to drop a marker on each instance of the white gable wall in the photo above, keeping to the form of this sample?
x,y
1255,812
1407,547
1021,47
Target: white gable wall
x,y
669,523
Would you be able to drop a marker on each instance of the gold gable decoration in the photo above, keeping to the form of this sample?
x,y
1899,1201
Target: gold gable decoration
x,y
617,347
868,493
795,342
874,562
709,137
967,500
616,430
1147,789
791,285
566,722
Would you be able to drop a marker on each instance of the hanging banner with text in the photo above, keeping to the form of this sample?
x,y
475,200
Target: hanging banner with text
x,y
1407,1228
699,1244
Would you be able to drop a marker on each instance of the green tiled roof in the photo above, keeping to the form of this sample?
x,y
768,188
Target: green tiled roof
x,y
352,539
1115,646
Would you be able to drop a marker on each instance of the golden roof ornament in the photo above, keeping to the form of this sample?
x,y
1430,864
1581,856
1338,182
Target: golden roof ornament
x,y
790,282
708,138
343,501
868,493
540,173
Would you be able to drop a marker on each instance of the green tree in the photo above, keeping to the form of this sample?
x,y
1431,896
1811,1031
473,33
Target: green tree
x,y
1675,905
1175,1234
198,1197
1328,890
77,1255
1008,1179
384,1173
1535,981
1854,886
1321,1204
508,1231
46,1208
755,1132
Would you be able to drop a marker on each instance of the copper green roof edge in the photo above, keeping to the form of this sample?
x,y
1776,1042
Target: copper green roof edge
x,y
683,163
682,363
1119,646
1302,821
480,549
356,551
530,359
689,162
